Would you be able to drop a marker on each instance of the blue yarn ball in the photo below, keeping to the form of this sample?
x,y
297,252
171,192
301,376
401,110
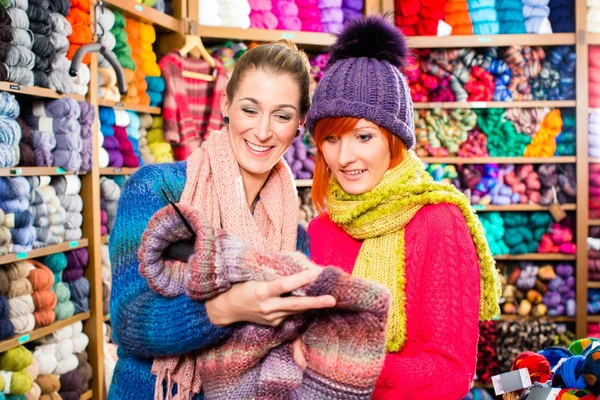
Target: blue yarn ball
x,y
13,188
570,374
554,353
591,371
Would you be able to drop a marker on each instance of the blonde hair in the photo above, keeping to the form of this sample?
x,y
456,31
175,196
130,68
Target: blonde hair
x,y
281,57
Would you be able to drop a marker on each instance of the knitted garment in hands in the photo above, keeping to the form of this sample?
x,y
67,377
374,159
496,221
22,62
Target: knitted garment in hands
x,y
214,186
379,217
345,345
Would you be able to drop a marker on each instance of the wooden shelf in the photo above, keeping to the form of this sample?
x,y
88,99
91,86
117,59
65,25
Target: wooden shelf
x,y
41,332
319,39
87,395
520,207
498,104
105,239
594,160
147,14
118,171
44,251
593,318
36,171
130,107
535,257
303,183
499,160
516,317
36,91
593,285
593,38
594,222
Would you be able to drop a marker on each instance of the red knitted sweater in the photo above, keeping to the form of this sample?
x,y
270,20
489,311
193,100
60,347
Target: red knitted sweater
x,y
442,303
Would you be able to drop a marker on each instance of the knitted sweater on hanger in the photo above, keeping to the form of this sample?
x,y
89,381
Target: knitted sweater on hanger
x,y
146,324
191,107
442,303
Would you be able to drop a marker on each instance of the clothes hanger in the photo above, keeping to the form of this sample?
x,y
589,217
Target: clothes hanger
x,y
194,42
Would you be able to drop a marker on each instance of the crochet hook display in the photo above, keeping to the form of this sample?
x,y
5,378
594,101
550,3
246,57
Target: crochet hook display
x,y
110,57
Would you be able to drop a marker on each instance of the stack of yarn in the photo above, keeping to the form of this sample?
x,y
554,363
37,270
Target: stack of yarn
x,y
106,279
208,12
594,132
566,141
10,131
110,355
457,16
86,119
543,144
444,173
67,189
107,133
235,13
160,149
484,17
594,188
136,91
593,16
20,300
526,120
47,380
14,203
107,78
502,137
40,23
19,60
5,240
44,299
300,160
7,329
421,18
515,232
110,192
79,17
562,15
17,367
536,15
286,12
560,297
493,225
69,345
559,239
145,153
557,179
64,306
122,49
261,16
49,216
77,261
154,81
332,15
442,132
58,122
564,61
307,211
122,121
510,16
352,9
134,135
103,157
310,15
487,359
60,80
593,245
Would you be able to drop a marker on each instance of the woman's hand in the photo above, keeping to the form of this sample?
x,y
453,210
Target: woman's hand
x,y
261,302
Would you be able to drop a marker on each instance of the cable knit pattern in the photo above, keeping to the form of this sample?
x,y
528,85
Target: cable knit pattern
x,y
442,302
146,324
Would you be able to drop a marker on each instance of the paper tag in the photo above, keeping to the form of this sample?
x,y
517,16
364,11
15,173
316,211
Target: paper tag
x,y
542,393
74,244
16,171
555,209
24,338
558,364
511,381
21,256
444,29
38,109
14,87
288,35
45,124
479,104
478,207
119,104
484,39
139,7
61,170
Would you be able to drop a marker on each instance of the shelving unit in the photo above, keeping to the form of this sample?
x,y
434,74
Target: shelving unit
x,y
497,104
35,91
36,171
44,251
499,160
130,107
118,171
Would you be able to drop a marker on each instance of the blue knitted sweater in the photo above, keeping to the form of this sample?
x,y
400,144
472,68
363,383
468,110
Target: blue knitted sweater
x,y
146,324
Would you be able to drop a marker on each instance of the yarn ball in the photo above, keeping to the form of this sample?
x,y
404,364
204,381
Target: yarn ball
x,y
578,346
570,374
591,371
56,262
538,366
554,354
15,359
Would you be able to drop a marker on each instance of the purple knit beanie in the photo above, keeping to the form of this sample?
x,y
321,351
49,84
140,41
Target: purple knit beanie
x,y
363,79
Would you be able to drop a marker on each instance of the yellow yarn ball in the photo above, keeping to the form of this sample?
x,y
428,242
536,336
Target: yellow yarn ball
x,y
15,359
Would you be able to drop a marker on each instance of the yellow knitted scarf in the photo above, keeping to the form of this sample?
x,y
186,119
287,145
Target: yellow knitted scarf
x,y
379,217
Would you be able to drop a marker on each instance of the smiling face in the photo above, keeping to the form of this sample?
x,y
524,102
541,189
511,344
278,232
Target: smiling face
x,y
263,119
358,159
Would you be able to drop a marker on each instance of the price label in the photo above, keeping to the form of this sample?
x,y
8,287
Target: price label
x,y
14,87
24,338
484,39
139,7
511,381
479,104
21,256
119,104
16,171
61,170
542,393
478,207
288,35
73,244
118,169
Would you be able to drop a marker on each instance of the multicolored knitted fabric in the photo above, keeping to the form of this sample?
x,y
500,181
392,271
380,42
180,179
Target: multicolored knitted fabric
x,y
345,346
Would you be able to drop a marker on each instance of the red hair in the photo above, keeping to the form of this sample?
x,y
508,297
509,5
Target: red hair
x,y
341,126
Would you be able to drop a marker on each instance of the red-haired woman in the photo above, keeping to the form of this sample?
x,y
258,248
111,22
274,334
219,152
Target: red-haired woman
x,y
383,218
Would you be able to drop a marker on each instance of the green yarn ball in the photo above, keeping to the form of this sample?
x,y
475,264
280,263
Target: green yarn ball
x,y
15,359
56,262
62,291
64,310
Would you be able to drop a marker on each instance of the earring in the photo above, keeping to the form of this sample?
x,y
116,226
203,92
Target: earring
x,y
226,120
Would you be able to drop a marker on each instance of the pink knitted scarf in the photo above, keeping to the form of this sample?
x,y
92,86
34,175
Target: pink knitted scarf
x,y
214,186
